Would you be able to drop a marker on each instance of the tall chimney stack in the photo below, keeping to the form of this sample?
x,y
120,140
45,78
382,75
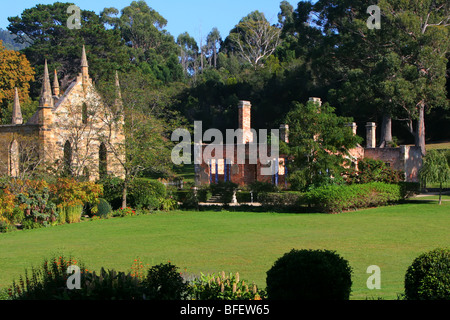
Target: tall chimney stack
x,y
245,121
284,133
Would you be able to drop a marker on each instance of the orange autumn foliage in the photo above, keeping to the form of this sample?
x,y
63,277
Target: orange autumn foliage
x,y
15,71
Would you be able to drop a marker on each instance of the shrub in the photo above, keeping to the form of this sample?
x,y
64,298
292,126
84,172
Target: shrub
x,y
409,189
204,193
6,227
244,197
104,208
144,193
49,282
428,278
259,188
164,282
191,200
336,198
309,275
124,212
112,190
225,190
224,287
73,213
282,199
370,170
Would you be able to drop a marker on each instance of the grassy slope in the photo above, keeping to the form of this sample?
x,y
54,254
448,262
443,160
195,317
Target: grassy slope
x,y
249,243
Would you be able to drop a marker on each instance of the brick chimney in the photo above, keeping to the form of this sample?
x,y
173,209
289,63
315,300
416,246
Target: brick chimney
x,y
371,137
284,133
245,121
354,127
316,100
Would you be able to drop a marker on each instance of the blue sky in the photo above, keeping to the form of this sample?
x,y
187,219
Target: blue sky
x,y
197,17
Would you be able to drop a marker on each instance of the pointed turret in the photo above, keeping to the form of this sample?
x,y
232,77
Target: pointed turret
x,y
56,91
46,100
17,111
84,68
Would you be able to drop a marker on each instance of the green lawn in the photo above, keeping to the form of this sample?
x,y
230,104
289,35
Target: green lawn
x,y
244,242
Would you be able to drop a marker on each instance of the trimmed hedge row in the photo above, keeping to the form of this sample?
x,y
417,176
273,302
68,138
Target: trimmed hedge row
x,y
337,198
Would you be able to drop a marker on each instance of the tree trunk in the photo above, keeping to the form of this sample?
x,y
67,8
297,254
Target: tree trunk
x,y
124,193
386,131
440,193
420,132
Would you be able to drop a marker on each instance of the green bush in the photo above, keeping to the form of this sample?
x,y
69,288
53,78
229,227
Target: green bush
x,y
225,190
336,198
309,275
104,208
164,282
112,190
73,213
191,200
428,278
49,282
224,287
258,188
282,199
6,227
370,170
244,197
409,189
204,193
144,193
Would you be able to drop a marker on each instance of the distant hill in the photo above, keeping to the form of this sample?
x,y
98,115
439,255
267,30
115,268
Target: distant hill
x,y
8,41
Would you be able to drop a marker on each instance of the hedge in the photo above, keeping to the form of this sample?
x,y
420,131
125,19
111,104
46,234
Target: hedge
x,y
337,198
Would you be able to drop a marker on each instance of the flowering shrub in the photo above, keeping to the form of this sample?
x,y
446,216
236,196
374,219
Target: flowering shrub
x,y
45,204
224,287
70,192
124,212
49,281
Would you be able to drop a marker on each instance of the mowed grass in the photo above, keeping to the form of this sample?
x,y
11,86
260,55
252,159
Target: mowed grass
x,y
244,242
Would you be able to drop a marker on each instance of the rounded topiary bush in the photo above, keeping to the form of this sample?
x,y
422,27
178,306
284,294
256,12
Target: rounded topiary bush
x,y
428,278
104,208
309,275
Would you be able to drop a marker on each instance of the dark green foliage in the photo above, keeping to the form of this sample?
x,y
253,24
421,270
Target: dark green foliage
x,y
309,275
144,193
224,287
112,190
204,193
319,141
259,188
49,282
282,199
370,170
244,197
225,190
428,278
336,198
190,199
104,208
164,282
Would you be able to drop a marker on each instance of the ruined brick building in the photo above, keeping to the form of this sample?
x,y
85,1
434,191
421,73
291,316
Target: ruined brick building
x,y
74,131
213,169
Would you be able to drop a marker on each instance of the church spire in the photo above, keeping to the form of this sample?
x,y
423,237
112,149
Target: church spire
x,y
56,85
46,100
17,112
84,68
